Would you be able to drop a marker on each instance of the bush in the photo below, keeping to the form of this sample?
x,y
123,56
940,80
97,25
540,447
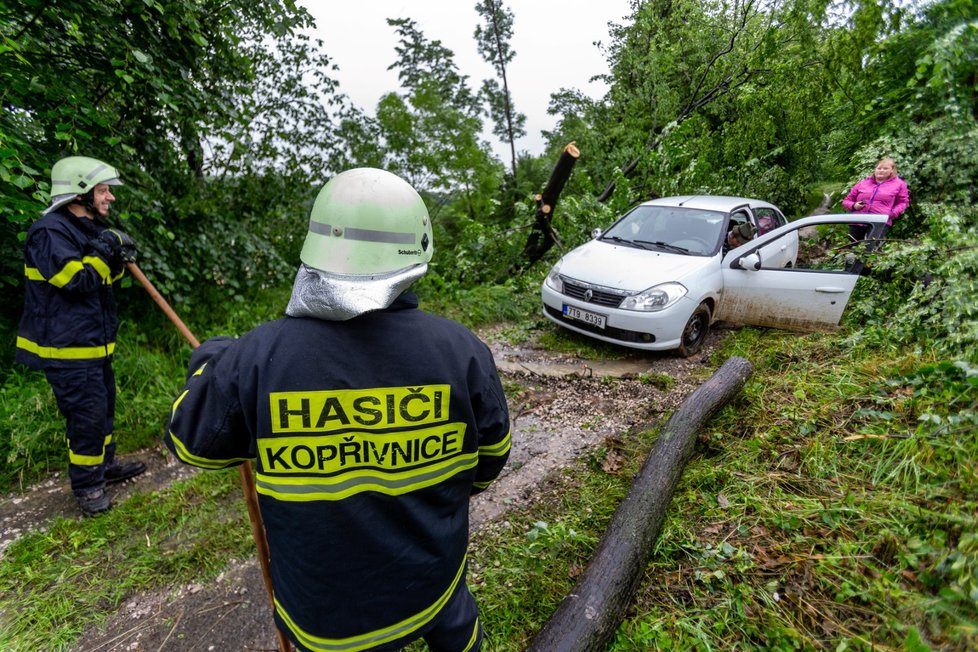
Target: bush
x,y
923,291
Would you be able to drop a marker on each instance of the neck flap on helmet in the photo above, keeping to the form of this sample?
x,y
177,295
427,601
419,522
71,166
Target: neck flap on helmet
x,y
339,297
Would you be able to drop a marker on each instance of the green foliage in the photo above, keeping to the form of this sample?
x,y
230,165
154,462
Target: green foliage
x,y
921,293
480,305
178,97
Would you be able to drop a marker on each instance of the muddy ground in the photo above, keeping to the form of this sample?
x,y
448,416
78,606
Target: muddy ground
x,y
566,406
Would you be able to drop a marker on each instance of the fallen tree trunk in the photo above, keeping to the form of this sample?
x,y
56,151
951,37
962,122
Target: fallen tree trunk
x,y
588,617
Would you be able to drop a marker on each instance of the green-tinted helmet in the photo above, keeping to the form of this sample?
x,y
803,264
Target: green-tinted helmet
x,y
367,222
76,175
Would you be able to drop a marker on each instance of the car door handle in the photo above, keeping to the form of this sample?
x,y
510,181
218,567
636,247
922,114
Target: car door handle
x,y
830,290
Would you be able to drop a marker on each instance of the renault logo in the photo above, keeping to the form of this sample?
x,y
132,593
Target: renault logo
x,y
588,294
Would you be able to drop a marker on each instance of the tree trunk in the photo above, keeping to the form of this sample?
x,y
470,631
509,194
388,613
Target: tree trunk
x,y
588,617
542,237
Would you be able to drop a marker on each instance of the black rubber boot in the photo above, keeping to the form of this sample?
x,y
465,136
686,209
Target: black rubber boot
x,y
93,501
118,472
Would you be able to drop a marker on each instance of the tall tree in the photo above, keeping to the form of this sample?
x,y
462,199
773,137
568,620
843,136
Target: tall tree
x,y
493,37
430,131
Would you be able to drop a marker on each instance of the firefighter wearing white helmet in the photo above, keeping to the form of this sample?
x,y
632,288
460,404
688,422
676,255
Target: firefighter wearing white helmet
x,y
75,177
68,328
371,423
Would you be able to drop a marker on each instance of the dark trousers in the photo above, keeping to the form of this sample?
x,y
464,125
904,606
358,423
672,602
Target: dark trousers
x,y
458,628
86,399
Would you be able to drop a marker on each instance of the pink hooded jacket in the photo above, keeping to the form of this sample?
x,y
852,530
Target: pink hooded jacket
x,y
887,198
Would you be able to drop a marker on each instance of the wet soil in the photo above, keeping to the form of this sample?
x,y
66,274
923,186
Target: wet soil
x,y
561,406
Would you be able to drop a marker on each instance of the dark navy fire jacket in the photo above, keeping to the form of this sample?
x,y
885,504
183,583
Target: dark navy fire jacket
x,y
69,317
369,436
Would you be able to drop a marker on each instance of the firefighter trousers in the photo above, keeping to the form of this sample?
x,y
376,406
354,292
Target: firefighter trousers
x,y
86,399
457,628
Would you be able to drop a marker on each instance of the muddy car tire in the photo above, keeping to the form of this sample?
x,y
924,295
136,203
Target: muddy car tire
x,y
695,332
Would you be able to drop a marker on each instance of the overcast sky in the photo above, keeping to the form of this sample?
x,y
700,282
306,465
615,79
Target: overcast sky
x,y
554,41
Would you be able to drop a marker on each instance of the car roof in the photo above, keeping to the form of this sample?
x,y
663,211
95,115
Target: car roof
x,y
722,203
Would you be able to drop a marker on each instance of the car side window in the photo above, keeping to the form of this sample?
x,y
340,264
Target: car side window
x,y
740,217
768,219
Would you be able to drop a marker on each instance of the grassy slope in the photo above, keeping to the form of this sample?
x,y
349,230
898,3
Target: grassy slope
x,y
786,533
817,514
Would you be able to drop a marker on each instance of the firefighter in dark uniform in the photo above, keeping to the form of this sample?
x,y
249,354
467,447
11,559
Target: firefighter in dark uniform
x,y
68,329
371,423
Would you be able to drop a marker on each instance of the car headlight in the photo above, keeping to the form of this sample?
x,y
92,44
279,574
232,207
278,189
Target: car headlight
x,y
553,280
655,298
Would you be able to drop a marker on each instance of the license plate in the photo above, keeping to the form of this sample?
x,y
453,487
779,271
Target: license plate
x,y
585,316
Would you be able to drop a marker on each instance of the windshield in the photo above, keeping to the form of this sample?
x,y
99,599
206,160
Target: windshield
x,y
670,228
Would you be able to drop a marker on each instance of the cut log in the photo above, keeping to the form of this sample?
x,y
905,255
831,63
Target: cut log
x,y
559,176
542,236
588,617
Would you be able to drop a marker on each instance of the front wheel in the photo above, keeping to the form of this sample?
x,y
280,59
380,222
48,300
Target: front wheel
x,y
695,332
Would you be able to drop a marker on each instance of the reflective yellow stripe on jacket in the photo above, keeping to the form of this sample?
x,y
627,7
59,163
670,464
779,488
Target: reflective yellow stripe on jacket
x,y
195,460
497,449
68,352
494,450
377,637
64,276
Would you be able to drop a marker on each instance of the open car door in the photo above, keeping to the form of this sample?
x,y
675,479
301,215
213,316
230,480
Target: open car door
x,y
811,294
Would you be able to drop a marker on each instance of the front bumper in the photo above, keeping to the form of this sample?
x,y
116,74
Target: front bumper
x,y
650,331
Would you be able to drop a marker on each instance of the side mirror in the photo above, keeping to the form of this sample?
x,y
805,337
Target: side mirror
x,y
750,261
596,233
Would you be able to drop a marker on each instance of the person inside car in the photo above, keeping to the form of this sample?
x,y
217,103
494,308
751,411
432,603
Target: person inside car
x,y
740,234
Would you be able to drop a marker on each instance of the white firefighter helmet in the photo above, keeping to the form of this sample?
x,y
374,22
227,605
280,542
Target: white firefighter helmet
x,y
369,239
77,175
367,222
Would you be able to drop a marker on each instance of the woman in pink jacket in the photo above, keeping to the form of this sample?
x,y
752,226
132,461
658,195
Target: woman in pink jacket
x,y
883,193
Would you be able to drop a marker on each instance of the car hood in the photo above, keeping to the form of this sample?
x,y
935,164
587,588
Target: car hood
x,y
628,268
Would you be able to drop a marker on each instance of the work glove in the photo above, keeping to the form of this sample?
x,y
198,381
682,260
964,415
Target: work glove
x,y
115,246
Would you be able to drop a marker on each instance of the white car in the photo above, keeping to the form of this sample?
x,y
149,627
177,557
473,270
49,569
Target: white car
x,y
664,272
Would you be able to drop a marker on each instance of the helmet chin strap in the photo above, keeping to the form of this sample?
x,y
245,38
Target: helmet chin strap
x,y
88,201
